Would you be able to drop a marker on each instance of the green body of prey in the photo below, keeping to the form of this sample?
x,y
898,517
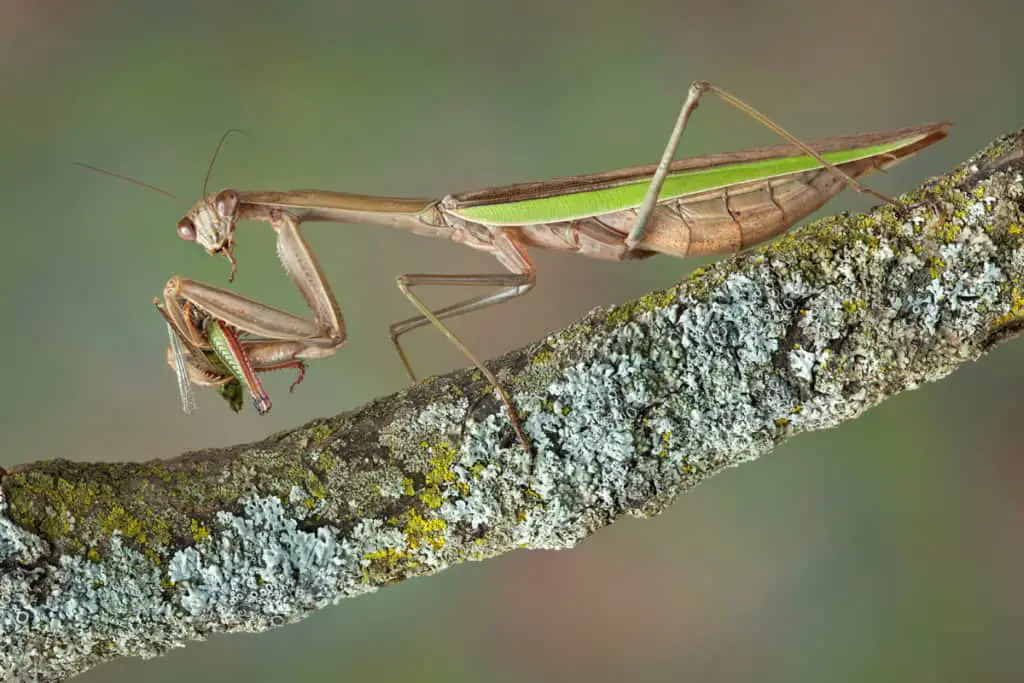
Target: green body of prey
x,y
222,346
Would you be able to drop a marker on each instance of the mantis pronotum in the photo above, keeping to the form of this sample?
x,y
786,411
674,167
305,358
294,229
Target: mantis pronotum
x,y
712,204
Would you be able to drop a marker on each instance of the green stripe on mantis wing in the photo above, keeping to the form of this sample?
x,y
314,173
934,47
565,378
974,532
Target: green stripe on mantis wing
x,y
608,200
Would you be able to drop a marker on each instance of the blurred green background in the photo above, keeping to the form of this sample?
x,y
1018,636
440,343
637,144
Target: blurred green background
x,y
889,549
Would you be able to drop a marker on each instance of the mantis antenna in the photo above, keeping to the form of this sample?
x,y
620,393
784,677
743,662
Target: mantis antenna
x,y
154,188
128,179
216,151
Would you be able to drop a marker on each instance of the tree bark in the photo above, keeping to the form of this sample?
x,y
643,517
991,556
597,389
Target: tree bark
x,y
626,409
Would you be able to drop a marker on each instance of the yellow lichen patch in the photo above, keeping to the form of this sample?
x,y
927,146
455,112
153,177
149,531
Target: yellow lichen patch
x,y
852,306
1016,311
649,302
441,464
656,300
199,532
420,531
619,315
308,481
82,514
438,478
120,520
666,443
542,357
431,497
389,556
316,488
386,565
318,434
63,502
947,231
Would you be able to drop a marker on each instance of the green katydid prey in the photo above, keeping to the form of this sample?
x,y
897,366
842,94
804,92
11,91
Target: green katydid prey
x,y
705,205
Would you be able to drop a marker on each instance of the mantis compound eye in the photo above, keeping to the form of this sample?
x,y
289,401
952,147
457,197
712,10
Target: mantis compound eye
x,y
187,229
226,203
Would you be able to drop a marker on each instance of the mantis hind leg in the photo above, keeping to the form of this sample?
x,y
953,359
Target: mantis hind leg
x,y
697,89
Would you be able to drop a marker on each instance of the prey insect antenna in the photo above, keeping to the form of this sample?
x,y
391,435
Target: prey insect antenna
x,y
216,151
128,179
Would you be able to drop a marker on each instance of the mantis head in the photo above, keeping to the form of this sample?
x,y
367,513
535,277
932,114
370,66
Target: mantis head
x,y
211,223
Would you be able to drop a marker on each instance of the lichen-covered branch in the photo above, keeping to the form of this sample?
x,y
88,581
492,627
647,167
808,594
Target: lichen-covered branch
x,y
626,409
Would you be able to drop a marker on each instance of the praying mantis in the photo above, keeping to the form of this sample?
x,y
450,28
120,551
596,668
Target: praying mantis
x,y
711,204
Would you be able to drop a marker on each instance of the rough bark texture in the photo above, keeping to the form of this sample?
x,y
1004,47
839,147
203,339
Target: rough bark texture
x,y
627,409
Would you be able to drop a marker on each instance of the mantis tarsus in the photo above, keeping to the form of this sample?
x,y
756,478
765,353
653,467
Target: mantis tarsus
x,y
705,205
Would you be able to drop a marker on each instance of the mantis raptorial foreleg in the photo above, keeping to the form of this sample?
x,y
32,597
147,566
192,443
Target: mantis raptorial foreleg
x,y
697,89
320,337
205,322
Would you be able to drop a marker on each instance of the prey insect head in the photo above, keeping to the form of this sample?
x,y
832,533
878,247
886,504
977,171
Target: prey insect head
x,y
211,223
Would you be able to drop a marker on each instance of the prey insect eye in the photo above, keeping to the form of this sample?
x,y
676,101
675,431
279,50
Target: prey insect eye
x,y
226,203
187,229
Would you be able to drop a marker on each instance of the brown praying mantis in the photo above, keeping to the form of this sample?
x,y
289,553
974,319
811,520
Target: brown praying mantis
x,y
711,204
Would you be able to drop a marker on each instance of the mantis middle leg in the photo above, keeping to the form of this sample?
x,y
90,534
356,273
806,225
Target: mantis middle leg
x,y
512,254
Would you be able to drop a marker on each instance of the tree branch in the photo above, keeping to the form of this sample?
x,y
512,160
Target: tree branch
x,y
627,409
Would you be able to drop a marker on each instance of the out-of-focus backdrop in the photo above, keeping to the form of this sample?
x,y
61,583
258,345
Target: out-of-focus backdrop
x,y
889,549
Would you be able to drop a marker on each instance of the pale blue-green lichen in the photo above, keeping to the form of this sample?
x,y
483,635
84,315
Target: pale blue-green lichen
x,y
246,571
263,560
